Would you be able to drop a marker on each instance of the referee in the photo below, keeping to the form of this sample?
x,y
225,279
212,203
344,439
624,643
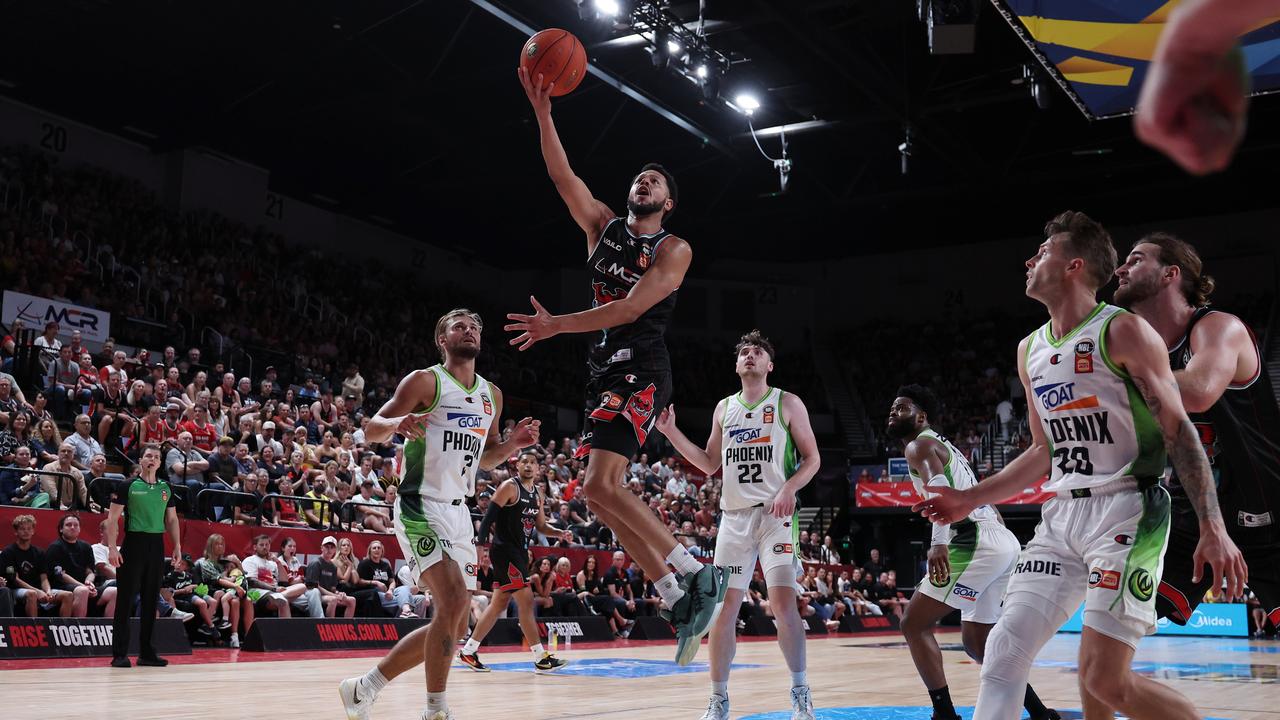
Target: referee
x,y
148,508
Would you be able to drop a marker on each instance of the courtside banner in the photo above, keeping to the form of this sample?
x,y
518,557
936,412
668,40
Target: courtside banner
x,y
22,638
903,494
287,634
34,312
590,628
1208,620
868,623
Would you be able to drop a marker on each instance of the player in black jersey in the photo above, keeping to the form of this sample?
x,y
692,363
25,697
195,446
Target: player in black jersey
x,y
514,515
636,267
1229,396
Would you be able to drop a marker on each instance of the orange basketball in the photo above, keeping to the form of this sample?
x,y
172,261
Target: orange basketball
x,y
558,56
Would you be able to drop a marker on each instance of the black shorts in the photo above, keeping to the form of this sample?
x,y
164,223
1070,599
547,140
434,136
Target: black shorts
x,y
621,407
1179,596
510,567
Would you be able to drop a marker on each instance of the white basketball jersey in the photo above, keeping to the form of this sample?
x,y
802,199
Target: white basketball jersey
x,y
443,463
959,476
1097,424
755,450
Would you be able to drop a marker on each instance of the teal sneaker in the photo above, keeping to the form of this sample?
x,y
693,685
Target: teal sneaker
x,y
704,593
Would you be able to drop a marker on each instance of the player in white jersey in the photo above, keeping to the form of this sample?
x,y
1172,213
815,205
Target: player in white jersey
x,y
755,436
969,561
448,414
1103,409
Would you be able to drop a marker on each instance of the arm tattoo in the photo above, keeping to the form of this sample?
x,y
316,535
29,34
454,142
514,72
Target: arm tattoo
x,y
1187,456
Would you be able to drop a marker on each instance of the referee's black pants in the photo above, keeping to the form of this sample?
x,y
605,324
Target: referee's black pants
x,y
143,562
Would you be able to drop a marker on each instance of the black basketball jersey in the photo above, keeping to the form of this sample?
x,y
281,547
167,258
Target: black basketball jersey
x,y
517,522
1240,433
618,262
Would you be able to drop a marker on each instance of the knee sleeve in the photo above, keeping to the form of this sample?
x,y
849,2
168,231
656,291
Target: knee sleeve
x,y
1027,623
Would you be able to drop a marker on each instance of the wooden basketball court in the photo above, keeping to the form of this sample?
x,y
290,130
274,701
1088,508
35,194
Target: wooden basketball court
x,y
851,676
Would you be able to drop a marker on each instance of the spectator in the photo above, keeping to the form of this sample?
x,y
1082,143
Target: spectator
x,y
353,385
181,586
68,490
248,510
322,574
70,564
186,469
63,385
267,439
49,344
372,515
350,582
395,598
9,405
198,384
873,567
13,478
805,549
26,573
83,444
211,571
222,465
676,484
226,392
115,368
99,491
618,583
262,575
110,418
18,433
270,462
204,436
888,596
47,441
827,552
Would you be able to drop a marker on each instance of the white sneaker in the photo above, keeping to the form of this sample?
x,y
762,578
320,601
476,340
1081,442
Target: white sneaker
x,y
181,615
356,698
717,708
801,703
439,715
235,640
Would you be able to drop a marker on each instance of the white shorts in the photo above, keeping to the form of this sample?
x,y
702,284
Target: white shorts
x,y
981,563
750,534
1106,550
432,530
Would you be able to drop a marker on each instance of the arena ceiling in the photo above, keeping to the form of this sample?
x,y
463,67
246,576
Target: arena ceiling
x,y
408,111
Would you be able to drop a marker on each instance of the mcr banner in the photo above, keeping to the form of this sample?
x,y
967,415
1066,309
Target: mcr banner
x,y
903,494
22,638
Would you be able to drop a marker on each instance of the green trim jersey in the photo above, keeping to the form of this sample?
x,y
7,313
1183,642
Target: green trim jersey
x,y
443,463
756,451
1097,424
959,476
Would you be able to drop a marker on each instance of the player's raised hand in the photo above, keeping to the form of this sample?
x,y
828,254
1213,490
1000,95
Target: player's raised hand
x,y
539,95
1193,107
946,506
412,426
666,420
1219,552
532,328
526,432
939,565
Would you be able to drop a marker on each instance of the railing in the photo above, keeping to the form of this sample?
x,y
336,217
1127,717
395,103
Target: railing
x,y
205,332
199,508
61,476
125,272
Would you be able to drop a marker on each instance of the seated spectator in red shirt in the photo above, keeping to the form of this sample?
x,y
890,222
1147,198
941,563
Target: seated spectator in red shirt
x,y
115,368
203,434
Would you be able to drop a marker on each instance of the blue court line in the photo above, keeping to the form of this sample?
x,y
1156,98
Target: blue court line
x,y
620,668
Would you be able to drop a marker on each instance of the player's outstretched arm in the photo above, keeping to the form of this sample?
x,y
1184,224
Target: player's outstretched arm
x,y
416,390
1137,347
590,214
949,505
1194,99
662,279
1220,341
705,459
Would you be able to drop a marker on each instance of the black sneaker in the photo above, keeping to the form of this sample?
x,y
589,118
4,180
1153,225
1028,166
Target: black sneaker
x,y
1049,714
473,661
152,661
549,663
120,662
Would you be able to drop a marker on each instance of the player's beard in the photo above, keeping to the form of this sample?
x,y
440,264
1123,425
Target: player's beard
x,y
463,352
641,209
1126,296
899,428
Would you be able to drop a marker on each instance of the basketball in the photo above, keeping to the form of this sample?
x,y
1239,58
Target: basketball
x,y
558,56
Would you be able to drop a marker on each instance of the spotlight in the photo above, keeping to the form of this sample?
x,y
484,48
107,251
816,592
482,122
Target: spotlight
x,y
747,103
609,8
673,48
701,71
